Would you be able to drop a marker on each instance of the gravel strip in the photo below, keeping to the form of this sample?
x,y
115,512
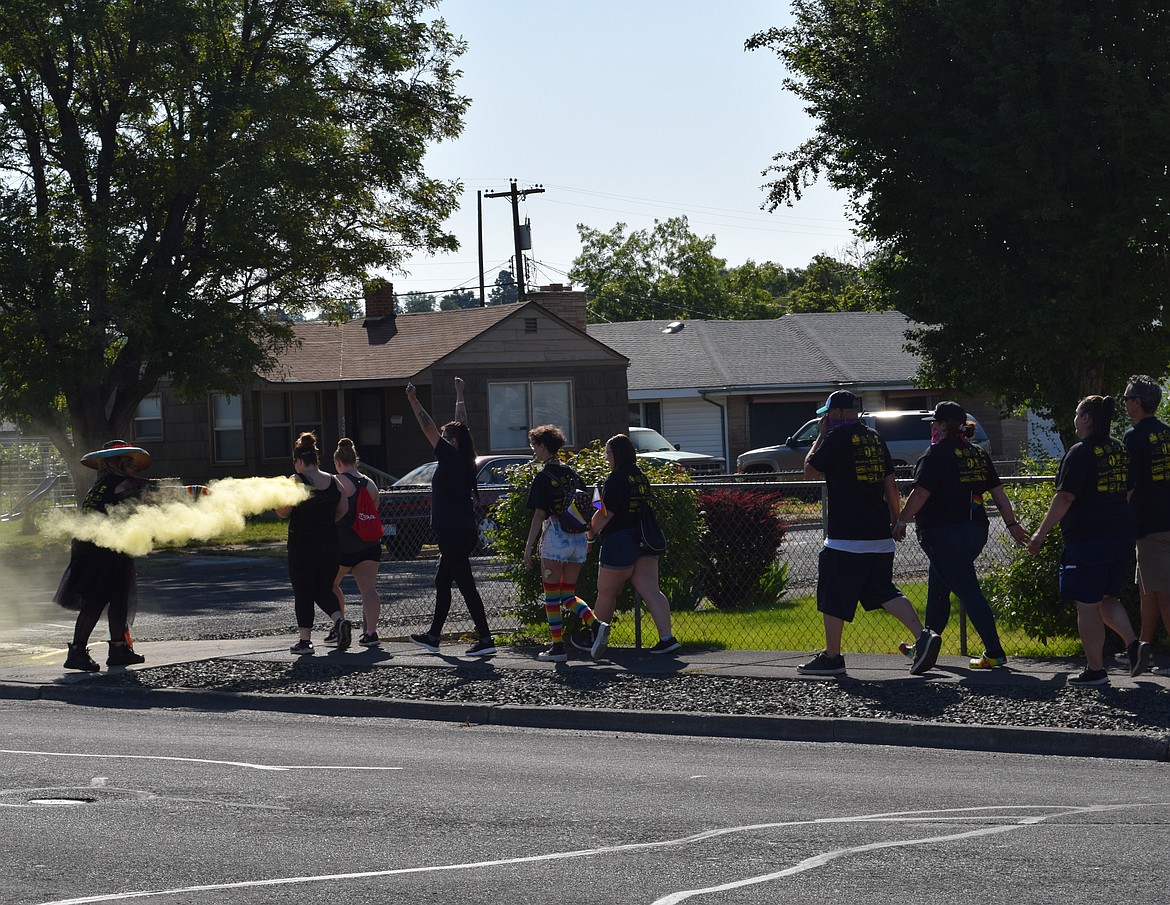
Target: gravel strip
x,y
1143,710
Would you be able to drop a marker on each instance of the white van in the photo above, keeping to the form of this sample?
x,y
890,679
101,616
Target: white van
x,y
907,434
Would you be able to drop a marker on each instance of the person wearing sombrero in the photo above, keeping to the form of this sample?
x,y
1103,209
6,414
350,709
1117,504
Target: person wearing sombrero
x,y
98,578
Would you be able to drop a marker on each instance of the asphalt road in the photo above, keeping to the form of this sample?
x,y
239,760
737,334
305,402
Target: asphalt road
x,y
103,805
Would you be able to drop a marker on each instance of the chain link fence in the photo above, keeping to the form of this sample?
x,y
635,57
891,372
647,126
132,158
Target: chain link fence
x,y
29,466
780,613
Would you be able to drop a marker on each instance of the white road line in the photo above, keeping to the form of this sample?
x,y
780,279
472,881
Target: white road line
x,y
817,861
277,768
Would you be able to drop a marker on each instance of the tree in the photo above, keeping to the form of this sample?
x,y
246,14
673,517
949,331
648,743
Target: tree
x,y
459,298
663,272
171,172
1008,158
761,290
831,285
416,302
504,291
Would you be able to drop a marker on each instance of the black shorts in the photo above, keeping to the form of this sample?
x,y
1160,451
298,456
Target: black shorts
x,y
372,553
846,579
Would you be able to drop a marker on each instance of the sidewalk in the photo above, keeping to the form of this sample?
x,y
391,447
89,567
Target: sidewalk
x,y
31,672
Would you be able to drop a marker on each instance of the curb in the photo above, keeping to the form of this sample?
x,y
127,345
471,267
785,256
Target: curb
x,y
844,730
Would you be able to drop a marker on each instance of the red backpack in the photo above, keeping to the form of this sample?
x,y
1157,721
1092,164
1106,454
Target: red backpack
x,y
367,524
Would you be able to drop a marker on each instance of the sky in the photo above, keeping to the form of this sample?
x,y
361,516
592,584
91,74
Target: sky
x,y
624,112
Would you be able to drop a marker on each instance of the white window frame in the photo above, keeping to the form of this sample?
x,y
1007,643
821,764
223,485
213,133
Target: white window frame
x,y
512,412
143,415
224,423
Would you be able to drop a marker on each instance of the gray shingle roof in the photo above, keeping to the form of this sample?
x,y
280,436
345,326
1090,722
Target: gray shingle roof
x,y
794,350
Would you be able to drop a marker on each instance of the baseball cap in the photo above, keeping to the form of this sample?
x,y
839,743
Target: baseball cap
x,y
948,411
842,399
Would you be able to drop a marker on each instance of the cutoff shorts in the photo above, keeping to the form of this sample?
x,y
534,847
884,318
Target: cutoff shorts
x,y
1153,563
846,579
560,546
1091,570
622,549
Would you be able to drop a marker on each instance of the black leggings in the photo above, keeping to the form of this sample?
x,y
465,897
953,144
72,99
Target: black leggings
x,y
91,612
311,571
455,565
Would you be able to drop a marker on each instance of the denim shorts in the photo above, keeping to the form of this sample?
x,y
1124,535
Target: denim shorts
x,y
622,549
560,546
1091,570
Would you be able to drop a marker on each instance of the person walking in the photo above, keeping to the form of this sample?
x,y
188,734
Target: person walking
x,y
622,558
313,549
98,578
454,494
948,505
561,554
361,557
1148,443
856,563
1092,508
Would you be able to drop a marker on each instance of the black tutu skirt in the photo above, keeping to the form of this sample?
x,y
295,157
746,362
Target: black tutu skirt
x,y
97,576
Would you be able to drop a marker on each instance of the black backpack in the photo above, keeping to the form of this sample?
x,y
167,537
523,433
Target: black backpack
x,y
577,513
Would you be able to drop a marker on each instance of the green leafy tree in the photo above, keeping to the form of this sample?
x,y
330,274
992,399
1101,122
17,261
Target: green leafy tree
x,y
1008,158
760,291
504,291
460,298
416,302
832,285
650,274
173,173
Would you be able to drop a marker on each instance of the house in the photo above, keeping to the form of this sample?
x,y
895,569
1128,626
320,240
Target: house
x,y
723,387
523,364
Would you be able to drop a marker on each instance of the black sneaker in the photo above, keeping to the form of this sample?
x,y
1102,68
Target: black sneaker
x,y
344,630
426,642
600,638
1139,657
484,647
926,650
667,645
301,648
79,658
1089,677
823,665
331,638
583,640
554,654
370,639
123,655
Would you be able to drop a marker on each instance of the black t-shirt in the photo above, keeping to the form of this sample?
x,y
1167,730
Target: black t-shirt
x,y
1097,472
452,507
552,487
311,524
855,462
1148,443
957,475
623,494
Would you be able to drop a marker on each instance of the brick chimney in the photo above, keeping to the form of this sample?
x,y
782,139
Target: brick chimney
x,y
564,302
379,298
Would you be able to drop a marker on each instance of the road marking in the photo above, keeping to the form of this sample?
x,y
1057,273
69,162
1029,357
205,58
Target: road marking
x,y
277,768
1019,822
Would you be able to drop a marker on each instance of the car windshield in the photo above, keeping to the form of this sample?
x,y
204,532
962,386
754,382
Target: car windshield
x,y
649,441
416,476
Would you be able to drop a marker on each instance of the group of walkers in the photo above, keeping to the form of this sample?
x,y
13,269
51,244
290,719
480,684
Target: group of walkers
x,y
324,544
1111,495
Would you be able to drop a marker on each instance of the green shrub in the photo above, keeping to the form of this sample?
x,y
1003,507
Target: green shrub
x,y
742,531
676,510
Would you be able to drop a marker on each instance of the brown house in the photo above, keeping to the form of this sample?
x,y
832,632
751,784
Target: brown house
x,y
523,364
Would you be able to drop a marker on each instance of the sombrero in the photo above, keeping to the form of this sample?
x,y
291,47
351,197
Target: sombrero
x,y
118,449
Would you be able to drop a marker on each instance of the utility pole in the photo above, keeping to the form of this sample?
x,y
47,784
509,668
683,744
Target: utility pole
x,y
516,195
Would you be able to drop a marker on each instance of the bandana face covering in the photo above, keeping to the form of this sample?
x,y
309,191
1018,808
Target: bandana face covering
x,y
938,433
834,423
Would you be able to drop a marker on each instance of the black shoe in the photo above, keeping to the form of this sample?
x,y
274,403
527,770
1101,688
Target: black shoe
x,y
426,642
667,645
484,647
823,665
344,633
301,648
370,639
600,638
583,640
926,650
79,658
1139,657
123,655
331,638
1089,677
554,654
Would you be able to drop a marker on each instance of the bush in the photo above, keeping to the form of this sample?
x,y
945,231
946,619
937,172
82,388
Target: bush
x,y
742,531
676,510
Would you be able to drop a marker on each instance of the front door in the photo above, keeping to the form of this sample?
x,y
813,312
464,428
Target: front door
x,y
369,431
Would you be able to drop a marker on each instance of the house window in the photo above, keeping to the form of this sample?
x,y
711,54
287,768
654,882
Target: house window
x,y
515,408
284,417
148,419
646,414
227,428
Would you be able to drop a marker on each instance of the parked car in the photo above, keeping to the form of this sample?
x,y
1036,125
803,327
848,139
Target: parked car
x,y
653,447
907,434
406,507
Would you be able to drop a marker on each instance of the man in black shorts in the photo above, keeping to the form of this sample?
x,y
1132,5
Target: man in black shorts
x,y
856,564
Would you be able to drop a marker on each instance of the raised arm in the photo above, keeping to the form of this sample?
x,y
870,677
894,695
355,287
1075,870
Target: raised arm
x,y
460,405
424,420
